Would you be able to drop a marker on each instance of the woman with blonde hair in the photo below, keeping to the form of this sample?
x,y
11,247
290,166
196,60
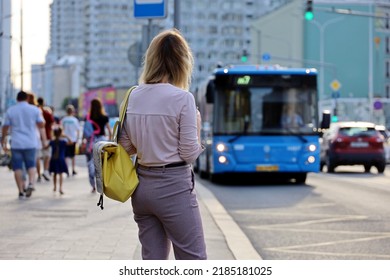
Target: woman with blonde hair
x,y
162,127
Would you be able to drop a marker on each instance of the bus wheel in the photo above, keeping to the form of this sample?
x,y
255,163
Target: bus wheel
x,y
195,166
203,174
215,178
300,178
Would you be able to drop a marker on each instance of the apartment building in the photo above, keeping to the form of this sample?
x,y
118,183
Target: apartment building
x,y
102,32
5,57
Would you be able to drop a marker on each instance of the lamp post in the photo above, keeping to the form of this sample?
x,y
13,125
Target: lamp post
x,y
286,42
321,27
21,45
21,55
260,36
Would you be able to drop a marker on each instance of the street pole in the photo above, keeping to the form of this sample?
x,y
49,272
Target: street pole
x,y
21,45
258,48
176,18
321,27
370,67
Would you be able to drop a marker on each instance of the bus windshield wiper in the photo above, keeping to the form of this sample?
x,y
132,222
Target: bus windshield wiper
x,y
246,125
303,139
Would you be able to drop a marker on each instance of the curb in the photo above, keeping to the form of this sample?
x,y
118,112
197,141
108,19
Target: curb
x,y
236,239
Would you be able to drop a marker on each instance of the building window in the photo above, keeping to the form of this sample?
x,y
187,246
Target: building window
x,y
388,45
387,69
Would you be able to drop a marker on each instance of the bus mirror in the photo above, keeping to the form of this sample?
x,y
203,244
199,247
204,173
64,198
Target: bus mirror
x,y
325,123
210,91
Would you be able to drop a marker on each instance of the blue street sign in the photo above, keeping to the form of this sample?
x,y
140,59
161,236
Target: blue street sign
x,y
335,94
150,9
266,56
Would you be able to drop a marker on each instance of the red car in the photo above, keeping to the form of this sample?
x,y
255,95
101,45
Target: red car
x,y
352,143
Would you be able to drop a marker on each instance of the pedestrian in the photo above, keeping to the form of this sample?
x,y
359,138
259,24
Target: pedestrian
x,y
33,101
56,118
23,119
99,117
58,164
71,127
49,121
162,127
290,118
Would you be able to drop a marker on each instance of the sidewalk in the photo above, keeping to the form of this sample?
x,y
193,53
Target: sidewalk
x,y
71,226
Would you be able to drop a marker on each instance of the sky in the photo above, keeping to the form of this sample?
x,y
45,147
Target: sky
x,y
36,36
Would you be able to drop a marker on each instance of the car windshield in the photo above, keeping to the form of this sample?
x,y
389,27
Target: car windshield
x,y
357,131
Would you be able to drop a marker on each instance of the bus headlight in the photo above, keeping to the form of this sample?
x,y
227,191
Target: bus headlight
x,y
312,148
222,159
311,159
221,147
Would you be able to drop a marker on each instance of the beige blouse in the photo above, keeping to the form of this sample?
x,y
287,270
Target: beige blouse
x,y
161,125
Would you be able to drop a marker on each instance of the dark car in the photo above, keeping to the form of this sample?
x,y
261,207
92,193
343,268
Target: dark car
x,y
352,143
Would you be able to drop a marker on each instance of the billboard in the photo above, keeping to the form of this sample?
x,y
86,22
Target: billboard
x,y
107,95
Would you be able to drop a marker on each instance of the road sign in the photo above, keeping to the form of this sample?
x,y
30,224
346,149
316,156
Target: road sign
x,y
378,105
150,9
266,56
336,94
134,54
335,85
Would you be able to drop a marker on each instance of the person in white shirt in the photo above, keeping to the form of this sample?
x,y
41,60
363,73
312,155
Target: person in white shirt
x,y
23,120
71,127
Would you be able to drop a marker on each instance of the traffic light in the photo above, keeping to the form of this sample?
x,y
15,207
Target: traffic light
x,y
244,56
309,10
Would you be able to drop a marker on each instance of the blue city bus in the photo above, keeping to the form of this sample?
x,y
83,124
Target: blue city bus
x,y
260,120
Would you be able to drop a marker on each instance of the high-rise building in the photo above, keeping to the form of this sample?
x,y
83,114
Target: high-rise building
x,y
5,57
102,32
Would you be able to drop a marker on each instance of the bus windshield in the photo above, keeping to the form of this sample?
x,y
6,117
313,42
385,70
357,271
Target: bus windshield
x,y
267,104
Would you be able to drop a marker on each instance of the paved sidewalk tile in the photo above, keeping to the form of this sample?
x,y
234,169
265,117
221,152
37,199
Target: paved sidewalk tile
x,y
71,226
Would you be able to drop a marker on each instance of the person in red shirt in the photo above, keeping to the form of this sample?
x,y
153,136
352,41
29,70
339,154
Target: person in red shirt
x,y
49,121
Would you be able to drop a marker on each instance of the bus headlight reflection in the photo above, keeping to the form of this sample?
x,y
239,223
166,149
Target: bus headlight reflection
x,y
222,159
311,159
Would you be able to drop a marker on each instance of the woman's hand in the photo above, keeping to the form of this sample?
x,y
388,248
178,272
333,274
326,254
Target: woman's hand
x,y
198,124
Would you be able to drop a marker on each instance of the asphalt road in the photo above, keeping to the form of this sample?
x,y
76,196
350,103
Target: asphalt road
x,y
341,216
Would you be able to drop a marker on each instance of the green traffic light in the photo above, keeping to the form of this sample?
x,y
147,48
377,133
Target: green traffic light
x,y
309,15
244,58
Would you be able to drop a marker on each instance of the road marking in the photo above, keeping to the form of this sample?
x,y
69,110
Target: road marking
x,y
328,243
320,253
266,227
236,239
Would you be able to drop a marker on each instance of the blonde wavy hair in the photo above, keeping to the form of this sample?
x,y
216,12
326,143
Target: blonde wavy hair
x,y
168,57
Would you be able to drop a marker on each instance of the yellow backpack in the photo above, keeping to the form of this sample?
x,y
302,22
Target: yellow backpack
x,y
115,170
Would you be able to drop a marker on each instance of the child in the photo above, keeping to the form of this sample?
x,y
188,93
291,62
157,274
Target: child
x,y
57,162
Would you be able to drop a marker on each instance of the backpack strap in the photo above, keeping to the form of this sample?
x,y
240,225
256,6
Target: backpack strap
x,y
122,113
100,202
